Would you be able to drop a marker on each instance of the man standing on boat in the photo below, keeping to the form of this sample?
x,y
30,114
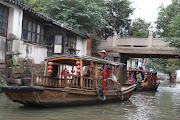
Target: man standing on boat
x,y
104,55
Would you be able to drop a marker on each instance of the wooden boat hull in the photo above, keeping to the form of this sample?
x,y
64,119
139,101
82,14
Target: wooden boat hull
x,y
53,97
147,88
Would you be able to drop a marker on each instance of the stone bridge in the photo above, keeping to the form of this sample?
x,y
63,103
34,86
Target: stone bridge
x,y
122,49
139,47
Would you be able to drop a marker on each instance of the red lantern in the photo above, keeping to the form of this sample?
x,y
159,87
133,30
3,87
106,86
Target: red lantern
x,y
78,71
78,67
50,63
50,67
92,63
77,63
145,75
127,74
50,71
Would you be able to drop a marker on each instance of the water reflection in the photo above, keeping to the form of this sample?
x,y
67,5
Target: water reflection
x,y
163,104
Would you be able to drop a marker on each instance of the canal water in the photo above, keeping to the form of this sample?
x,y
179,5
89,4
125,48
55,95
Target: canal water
x,y
161,105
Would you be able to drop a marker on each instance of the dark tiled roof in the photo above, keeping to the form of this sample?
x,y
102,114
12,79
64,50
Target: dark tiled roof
x,y
45,18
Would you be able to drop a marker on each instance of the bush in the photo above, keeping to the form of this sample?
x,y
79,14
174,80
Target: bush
x,y
2,83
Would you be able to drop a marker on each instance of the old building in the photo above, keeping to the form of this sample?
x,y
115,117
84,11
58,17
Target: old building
x,y
29,37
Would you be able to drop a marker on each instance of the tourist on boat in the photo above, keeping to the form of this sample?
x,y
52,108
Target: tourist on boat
x,y
142,73
110,76
138,76
131,78
104,55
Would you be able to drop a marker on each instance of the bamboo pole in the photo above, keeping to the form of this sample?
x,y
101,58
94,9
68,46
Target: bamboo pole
x,y
96,75
81,73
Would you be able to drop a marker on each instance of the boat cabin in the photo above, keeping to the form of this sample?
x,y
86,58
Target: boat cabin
x,y
57,75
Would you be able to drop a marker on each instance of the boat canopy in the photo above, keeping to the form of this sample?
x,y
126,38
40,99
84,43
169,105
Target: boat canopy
x,y
71,60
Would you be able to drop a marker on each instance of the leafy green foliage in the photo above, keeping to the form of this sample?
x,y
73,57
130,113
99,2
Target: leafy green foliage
x,y
139,28
12,64
85,15
89,16
117,17
174,32
165,15
3,82
163,65
168,23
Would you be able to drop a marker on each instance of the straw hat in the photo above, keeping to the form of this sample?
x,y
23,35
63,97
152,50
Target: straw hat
x,y
102,51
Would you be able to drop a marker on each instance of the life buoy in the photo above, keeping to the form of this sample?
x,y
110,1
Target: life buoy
x,y
119,94
100,94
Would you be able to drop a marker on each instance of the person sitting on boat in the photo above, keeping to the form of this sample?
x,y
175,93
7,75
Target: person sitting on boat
x,y
142,73
111,77
104,55
131,78
138,77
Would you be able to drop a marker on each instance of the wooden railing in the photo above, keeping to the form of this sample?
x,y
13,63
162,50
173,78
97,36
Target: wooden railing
x,y
88,83
46,81
74,81
71,81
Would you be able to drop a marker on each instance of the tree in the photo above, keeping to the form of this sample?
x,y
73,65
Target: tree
x,y
163,65
168,23
139,28
174,32
84,15
165,15
117,17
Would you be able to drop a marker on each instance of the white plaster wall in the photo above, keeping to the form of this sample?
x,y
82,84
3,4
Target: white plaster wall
x,y
81,45
2,47
14,20
35,52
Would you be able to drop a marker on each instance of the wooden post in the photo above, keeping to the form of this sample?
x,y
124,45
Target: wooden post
x,y
65,77
81,73
46,68
117,73
96,75
58,70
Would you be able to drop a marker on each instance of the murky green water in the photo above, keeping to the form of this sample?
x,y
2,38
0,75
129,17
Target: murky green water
x,y
161,105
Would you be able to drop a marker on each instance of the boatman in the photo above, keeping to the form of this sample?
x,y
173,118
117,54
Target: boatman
x,y
104,55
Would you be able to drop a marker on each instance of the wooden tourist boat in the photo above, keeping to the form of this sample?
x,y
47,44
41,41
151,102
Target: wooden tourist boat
x,y
148,83
65,89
